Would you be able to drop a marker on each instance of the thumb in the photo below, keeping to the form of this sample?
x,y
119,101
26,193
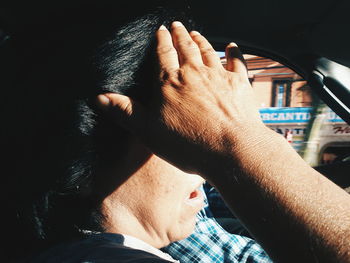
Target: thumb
x,y
125,111
235,60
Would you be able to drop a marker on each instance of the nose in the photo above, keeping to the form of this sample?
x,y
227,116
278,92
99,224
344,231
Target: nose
x,y
196,179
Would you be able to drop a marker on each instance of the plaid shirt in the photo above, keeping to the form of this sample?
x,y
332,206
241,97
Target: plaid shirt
x,y
211,243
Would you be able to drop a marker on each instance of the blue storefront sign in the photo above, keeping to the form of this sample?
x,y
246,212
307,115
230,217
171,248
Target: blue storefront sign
x,y
282,115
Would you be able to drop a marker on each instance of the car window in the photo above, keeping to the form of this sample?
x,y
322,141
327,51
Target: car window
x,y
290,107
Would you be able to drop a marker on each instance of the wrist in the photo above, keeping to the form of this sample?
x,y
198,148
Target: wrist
x,y
243,150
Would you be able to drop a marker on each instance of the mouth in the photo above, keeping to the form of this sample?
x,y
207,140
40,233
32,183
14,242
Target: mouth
x,y
195,194
196,198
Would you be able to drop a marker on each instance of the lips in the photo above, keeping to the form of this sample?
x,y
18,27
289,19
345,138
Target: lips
x,y
194,194
196,198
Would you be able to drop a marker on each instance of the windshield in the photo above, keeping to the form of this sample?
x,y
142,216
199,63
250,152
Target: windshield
x,y
289,106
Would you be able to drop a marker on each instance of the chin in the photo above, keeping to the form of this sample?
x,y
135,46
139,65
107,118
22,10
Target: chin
x,y
185,230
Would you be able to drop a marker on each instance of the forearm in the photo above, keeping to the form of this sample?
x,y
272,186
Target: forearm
x,y
297,214
205,121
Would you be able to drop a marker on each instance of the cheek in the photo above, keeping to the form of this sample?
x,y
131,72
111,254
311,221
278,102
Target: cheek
x,y
183,225
163,197
181,219
165,184
164,190
169,200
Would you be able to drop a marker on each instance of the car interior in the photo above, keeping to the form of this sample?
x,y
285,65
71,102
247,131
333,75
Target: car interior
x,y
308,37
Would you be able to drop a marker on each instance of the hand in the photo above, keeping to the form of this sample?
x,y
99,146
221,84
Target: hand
x,y
200,103
205,121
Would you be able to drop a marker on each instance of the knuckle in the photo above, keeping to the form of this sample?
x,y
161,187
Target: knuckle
x,y
194,67
171,77
127,108
163,76
161,50
188,44
208,51
230,78
199,72
238,79
177,76
203,70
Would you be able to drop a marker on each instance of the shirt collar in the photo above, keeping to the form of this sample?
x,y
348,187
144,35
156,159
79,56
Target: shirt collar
x,y
131,242
136,243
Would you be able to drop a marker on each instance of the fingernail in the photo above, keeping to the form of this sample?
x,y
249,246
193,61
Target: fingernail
x,y
195,33
176,24
103,101
232,44
162,27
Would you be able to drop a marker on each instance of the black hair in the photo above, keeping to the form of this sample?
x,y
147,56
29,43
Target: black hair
x,y
57,144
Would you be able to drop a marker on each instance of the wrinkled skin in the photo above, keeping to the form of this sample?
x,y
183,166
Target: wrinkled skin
x,y
205,122
193,76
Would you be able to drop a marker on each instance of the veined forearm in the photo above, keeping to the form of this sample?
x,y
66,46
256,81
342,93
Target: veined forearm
x,y
297,214
206,122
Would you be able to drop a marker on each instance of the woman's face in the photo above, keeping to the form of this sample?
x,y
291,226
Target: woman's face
x,y
158,203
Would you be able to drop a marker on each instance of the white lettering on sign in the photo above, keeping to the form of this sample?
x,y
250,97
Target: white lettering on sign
x,y
289,116
285,116
296,115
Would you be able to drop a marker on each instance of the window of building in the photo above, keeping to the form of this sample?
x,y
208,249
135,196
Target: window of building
x,y
281,93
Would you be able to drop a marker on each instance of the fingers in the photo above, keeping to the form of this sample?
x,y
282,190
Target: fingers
x,y
235,60
209,56
188,51
126,112
167,54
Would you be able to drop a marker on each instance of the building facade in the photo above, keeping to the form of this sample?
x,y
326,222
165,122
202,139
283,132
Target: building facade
x,y
288,106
